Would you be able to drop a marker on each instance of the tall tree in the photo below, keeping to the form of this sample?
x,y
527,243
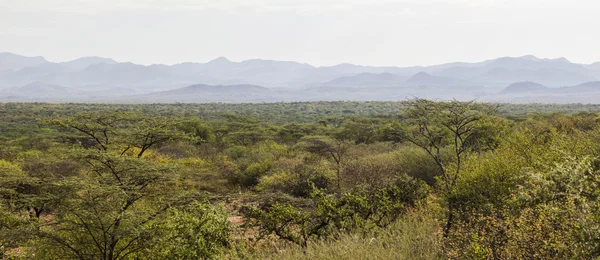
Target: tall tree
x,y
445,126
122,195
334,149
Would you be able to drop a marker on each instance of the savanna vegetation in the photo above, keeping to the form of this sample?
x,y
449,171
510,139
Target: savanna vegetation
x,y
417,179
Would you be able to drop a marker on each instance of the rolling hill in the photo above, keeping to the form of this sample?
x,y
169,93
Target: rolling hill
x,y
366,79
211,93
426,79
525,87
593,86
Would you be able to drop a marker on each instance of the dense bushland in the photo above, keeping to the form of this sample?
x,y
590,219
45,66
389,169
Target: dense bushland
x,y
403,180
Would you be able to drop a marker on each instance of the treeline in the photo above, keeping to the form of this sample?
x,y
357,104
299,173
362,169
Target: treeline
x,y
277,113
414,179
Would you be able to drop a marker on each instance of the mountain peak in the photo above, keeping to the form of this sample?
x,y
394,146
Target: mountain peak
x,y
424,78
219,60
85,62
529,57
421,75
95,58
562,59
523,87
7,54
10,55
14,62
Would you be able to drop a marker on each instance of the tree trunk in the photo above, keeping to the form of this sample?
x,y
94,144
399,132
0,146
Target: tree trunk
x,y
339,177
449,220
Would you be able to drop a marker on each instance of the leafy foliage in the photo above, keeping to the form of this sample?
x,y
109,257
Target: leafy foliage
x,y
417,179
359,209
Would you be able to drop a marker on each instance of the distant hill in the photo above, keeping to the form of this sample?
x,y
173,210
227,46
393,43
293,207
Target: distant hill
x,y
593,86
293,75
39,87
82,63
506,70
367,79
553,76
123,73
594,66
14,62
202,89
524,87
296,81
36,91
425,79
530,62
211,93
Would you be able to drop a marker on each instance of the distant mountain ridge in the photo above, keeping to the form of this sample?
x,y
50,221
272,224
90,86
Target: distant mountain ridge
x,y
202,89
301,81
532,87
367,79
426,79
593,86
18,70
39,87
524,87
82,63
10,61
211,93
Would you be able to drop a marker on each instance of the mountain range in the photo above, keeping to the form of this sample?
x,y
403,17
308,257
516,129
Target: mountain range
x,y
96,79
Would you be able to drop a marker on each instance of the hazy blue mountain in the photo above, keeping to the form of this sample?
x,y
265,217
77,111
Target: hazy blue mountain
x,y
366,79
462,71
14,62
593,86
108,93
506,70
525,87
123,73
426,79
210,93
549,76
259,72
51,73
530,92
37,88
594,66
289,74
201,89
289,80
82,63
531,62
37,91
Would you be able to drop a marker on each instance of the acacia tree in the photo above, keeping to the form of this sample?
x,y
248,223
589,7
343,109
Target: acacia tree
x,y
437,127
336,150
10,222
360,130
122,196
38,184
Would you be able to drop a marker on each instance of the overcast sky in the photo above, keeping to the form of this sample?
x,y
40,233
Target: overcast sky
x,y
319,32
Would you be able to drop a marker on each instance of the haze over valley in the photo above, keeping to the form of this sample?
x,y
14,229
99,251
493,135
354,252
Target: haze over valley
x,y
524,79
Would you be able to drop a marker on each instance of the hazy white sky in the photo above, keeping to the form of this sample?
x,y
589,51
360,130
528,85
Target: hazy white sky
x,y
319,32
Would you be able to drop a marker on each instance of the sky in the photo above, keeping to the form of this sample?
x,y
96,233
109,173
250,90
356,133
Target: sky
x,y
318,32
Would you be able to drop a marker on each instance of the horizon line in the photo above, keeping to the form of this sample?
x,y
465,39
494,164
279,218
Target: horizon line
x,y
298,62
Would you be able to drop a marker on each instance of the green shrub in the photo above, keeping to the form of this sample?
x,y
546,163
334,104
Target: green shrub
x,y
251,176
418,164
413,236
299,181
356,210
197,231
